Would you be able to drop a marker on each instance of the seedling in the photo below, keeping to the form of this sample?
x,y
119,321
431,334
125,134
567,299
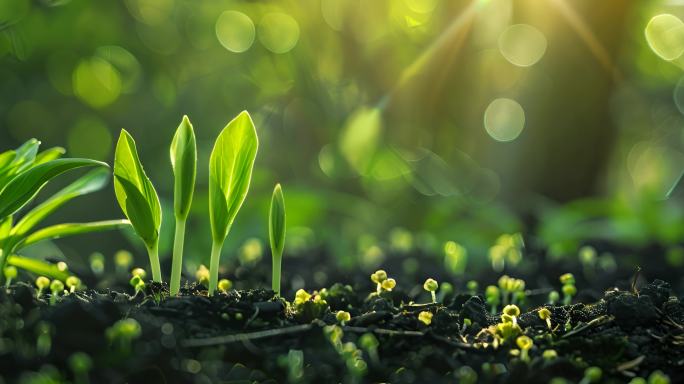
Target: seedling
x,y
23,173
56,287
137,283
525,344
42,283
139,272
378,277
550,354
10,273
230,172
569,289
492,296
545,315
73,283
80,364
343,317
389,284
123,260
137,198
370,343
511,313
224,285
123,333
554,296
43,338
97,263
472,287
431,286
308,307
591,375
276,233
425,317
184,163
202,275
507,249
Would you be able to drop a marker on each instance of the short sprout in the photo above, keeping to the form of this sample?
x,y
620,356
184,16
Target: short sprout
x,y
56,287
224,285
545,315
549,354
425,317
370,343
73,283
510,314
42,283
202,275
472,287
525,343
569,291
389,284
80,363
123,332
492,296
62,266
658,377
567,278
431,286
139,272
137,283
379,276
343,317
123,260
10,273
97,263
554,296
301,297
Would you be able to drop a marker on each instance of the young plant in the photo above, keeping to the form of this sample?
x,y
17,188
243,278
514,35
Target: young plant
x,y
202,275
42,282
545,315
431,286
184,164
569,289
493,297
343,317
425,317
224,285
230,172
23,173
276,234
510,314
525,344
56,287
10,273
73,283
137,198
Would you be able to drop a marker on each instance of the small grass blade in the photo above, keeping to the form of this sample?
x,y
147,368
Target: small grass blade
x,y
70,229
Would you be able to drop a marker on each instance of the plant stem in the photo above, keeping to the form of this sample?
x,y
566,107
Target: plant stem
x,y
153,252
177,265
3,261
214,265
277,263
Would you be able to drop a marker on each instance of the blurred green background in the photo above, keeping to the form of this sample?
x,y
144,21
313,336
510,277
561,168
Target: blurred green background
x,y
403,123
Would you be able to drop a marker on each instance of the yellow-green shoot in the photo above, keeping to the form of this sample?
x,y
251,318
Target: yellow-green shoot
x,y
184,163
276,233
230,172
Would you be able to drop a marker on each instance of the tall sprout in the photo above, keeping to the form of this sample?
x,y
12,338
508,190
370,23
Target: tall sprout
x,y
184,163
230,171
276,232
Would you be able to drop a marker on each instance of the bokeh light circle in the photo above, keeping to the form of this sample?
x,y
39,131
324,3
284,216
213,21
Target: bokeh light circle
x,y
665,35
89,138
504,119
278,32
235,31
96,82
522,45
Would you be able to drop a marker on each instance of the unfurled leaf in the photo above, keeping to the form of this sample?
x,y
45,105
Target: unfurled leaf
x,y
23,187
184,164
135,192
88,183
49,154
38,267
70,229
276,220
230,172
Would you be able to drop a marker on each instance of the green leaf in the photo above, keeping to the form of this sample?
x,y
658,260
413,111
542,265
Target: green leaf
x,y
135,192
184,164
21,159
49,154
276,220
230,172
23,187
69,229
38,267
88,183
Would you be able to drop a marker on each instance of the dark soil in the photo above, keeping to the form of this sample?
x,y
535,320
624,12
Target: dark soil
x,y
250,336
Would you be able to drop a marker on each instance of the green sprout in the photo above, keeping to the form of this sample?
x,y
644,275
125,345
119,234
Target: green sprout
x,y
202,275
42,283
73,283
343,317
137,283
43,338
591,375
97,263
379,277
10,273
309,306
431,286
276,234
658,377
230,171
80,364
56,287
389,284
550,354
510,314
122,333
224,285
370,343
525,344
425,317
492,296
554,296
184,163
506,249
137,198
472,287
23,173
545,315
569,289
455,258
123,260
139,272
